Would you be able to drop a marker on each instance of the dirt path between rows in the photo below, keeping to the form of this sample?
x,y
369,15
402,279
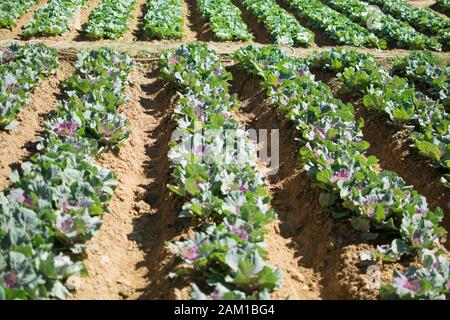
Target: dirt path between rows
x,y
18,144
190,30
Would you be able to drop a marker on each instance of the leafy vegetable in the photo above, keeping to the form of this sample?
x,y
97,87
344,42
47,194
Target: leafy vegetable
x,y
164,19
22,69
333,154
444,4
110,19
335,25
384,26
225,19
429,282
423,19
11,10
228,198
53,205
428,70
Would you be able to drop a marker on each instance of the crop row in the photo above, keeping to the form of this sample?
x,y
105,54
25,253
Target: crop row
x,y
164,19
225,19
11,10
55,201
426,119
21,70
214,170
352,183
426,70
53,19
334,24
110,19
423,19
282,25
384,26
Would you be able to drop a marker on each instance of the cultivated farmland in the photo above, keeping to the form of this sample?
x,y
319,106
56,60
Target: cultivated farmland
x,y
133,162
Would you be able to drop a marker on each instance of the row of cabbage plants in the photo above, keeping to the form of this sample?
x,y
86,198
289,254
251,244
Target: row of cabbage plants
x,y
164,19
384,26
352,183
423,19
22,69
282,25
110,19
53,19
425,119
427,71
334,24
56,199
214,170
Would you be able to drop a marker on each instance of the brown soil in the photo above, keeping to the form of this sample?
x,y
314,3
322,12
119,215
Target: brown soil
x,y
18,144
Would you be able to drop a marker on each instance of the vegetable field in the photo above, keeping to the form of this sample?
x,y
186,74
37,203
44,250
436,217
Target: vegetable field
x,y
224,149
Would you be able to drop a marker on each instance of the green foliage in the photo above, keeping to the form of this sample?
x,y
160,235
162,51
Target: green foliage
x,y
425,119
110,19
164,19
423,19
333,154
428,70
11,10
384,26
281,25
55,201
227,197
225,19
